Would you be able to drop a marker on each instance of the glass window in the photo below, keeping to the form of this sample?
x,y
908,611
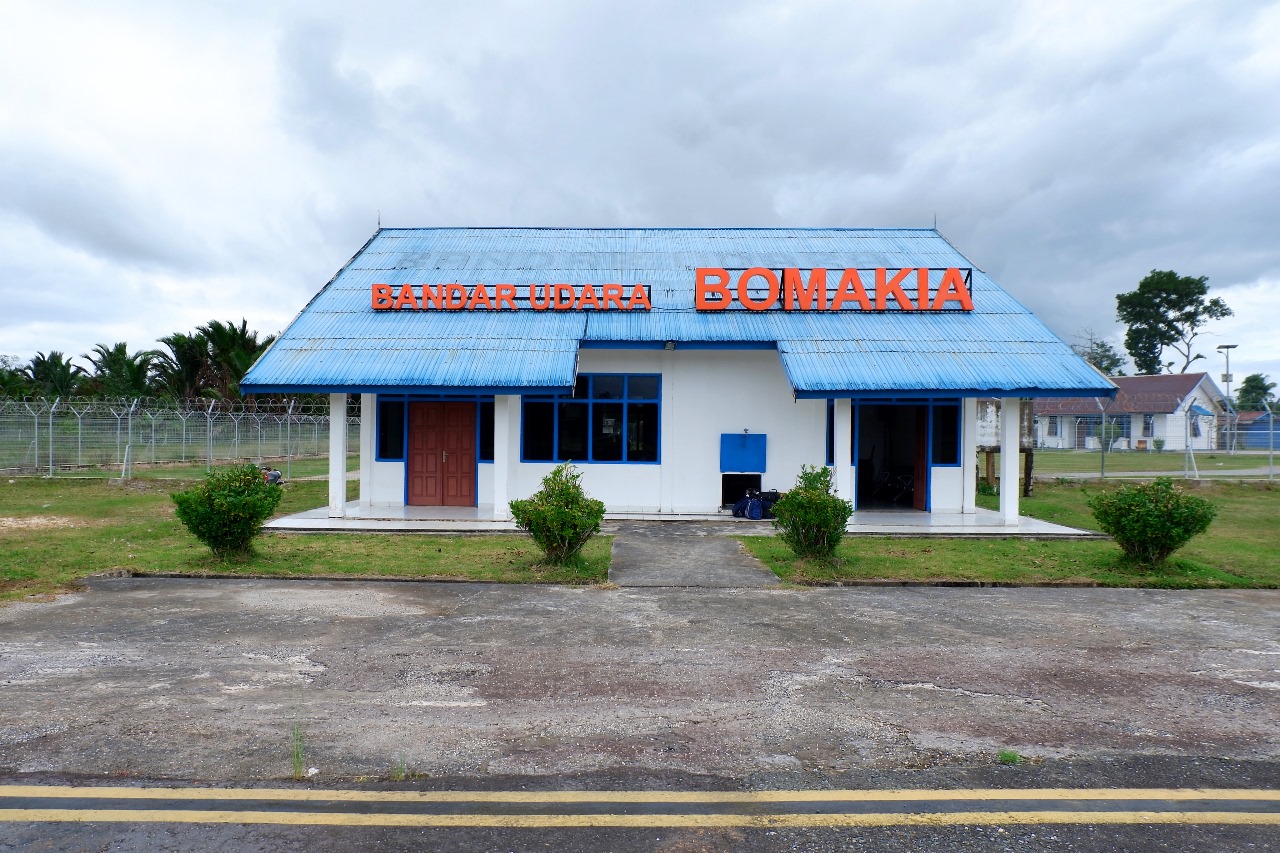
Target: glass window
x,y
596,422
1053,425
606,432
642,432
391,429
607,387
642,387
572,432
1148,425
486,431
946,435
538,422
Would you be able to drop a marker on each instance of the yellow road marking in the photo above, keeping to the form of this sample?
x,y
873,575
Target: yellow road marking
x,y
895,795
642,821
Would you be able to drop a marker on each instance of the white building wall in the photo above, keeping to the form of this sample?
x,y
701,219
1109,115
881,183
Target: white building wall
x,y
704,393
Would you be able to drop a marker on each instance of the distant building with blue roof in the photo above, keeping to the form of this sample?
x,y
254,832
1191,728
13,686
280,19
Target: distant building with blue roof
x,y
674,367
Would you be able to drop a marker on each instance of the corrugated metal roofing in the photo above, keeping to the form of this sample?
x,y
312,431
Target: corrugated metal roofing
x,y
1157,394
339,343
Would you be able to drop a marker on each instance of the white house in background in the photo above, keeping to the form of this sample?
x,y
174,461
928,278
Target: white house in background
x,y
1172,408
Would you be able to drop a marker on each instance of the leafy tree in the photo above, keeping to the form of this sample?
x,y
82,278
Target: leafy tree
x,y
1167,310
1253,392
182,371
54,375
1100,353
232,351
13,381
119,373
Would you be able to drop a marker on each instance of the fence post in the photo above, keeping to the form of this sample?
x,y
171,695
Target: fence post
x,y
288,441
208,420
52,409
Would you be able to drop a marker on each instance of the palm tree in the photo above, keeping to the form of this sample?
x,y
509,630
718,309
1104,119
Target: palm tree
x,y
54,375
232,351
117,373
183,371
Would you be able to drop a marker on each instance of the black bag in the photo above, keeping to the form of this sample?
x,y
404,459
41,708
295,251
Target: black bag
x,y
767,500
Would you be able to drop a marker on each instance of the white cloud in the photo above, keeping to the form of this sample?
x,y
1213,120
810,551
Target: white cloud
x,y
168,164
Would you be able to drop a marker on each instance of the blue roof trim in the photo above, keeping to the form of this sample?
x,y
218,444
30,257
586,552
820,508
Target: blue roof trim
x,y
401,390
863,396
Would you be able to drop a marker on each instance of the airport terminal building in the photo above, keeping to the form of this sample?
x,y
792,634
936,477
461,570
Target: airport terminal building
x,y
674,367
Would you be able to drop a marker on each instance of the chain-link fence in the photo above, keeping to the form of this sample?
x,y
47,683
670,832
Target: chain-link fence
x,y
59,436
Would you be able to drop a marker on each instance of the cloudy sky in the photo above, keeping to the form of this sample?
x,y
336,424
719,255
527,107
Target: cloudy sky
x,y
164,164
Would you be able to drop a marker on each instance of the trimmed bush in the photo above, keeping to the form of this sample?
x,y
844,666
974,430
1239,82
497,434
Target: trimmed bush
x,y
559,516
226,511
1151,521
810,519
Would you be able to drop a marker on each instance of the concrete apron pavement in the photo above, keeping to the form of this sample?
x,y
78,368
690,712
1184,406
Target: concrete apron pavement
x,y
206,679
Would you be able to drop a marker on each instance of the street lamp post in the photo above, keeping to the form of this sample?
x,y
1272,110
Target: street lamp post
x,y
1226,349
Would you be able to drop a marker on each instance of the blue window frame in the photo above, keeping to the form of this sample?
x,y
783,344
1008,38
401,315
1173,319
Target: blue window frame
x,y
607,418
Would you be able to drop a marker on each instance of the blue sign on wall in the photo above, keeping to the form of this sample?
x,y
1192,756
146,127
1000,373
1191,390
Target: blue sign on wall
x,y
742,453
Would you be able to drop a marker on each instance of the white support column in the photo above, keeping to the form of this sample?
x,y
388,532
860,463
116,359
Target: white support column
x,y
337,455
504,406
969,454
368,445
1009,432
842,452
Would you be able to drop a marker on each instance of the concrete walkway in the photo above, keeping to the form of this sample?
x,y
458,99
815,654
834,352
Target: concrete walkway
x,y
683,554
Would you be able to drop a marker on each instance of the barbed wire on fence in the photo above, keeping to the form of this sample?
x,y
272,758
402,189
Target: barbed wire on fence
x,y
60,435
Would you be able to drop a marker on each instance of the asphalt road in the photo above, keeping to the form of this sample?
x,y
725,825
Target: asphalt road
x,y
464,686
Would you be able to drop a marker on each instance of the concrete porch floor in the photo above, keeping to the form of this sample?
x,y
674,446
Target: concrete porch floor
x,y
479,519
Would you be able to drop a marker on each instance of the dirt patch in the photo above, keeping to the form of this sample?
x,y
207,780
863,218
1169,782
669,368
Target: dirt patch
x,y
35,522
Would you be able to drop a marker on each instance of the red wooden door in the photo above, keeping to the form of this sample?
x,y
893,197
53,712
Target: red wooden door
x,y
920,491
442,454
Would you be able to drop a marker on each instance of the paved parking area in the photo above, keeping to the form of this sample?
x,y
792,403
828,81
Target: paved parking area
x,y
204,679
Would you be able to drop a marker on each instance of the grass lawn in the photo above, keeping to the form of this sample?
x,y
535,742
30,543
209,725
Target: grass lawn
x,y
1240,549
53,532
1052,462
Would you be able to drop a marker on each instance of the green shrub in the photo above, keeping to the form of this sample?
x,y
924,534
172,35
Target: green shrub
x,y
810,519
1151,521
226,511
1158,444
559,516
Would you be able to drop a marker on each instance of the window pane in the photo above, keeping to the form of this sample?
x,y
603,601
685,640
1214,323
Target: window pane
x,y
486,432
538,424
573,432
607,387
642,432
581,388
606,432
391,429
946,435
642,387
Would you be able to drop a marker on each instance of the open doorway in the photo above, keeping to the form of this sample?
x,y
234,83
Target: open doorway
x,y
893,456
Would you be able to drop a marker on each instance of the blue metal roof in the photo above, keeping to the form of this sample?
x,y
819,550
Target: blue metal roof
x,y
338,343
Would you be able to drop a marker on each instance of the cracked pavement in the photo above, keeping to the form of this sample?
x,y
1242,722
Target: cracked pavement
x,y
205,679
